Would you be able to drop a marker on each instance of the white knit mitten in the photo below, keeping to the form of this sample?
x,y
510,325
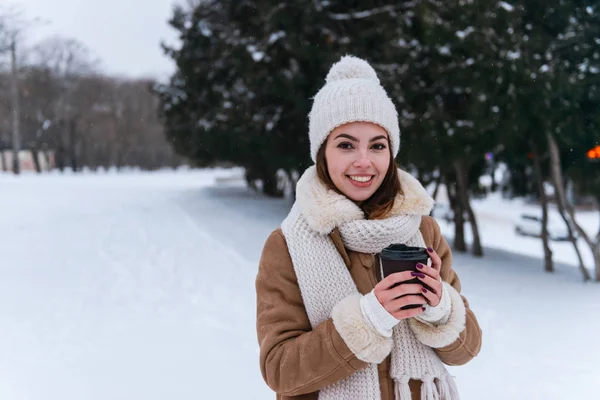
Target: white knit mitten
x,y
381,320
439,314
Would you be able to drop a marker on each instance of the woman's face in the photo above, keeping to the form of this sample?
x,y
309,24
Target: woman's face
x,y
358,158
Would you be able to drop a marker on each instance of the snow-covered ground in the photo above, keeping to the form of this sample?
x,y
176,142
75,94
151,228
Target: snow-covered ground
x,y
141,286
497,218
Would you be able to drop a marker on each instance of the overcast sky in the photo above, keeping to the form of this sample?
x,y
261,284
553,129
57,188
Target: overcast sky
x,y
124,34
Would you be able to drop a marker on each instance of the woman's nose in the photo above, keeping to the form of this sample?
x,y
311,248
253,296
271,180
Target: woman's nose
x,y
362,161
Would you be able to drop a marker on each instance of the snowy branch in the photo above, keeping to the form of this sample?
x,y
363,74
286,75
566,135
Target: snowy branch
x,y
506,6
276,36
362,14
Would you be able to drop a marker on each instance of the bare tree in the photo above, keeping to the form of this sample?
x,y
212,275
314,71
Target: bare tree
x,y
462,191
568,213
88,119
5,125
137,133
13,25
537,166
67,62
11,28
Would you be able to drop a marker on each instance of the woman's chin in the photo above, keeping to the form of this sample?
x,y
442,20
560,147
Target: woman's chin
x,y
357,195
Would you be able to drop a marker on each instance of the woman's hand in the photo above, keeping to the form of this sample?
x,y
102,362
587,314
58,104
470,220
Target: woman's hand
x,y
412,294
407,294
430,276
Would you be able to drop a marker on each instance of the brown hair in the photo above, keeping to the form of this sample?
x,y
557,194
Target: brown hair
x,y
381,202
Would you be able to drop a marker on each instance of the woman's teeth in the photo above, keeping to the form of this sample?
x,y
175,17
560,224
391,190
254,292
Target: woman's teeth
x,y
361,178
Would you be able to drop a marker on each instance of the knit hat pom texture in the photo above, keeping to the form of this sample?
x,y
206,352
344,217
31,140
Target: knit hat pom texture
x,y
350,67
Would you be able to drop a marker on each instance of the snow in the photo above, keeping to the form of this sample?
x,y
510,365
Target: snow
x,y
506,6
513,55
204,28
276,36
257,55
461,123
445,50
141,286
362,14
465,33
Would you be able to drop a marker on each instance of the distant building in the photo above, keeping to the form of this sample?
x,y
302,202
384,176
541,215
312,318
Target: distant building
x,y
46,160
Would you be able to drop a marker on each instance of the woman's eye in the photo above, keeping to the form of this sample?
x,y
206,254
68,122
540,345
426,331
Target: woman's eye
x,y
379,146
345,145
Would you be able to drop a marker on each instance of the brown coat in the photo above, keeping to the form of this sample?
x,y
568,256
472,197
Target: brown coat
x,y
296,360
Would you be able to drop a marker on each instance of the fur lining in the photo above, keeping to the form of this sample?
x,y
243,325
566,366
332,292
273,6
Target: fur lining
x,y
416,200
358,334
446,334
325,209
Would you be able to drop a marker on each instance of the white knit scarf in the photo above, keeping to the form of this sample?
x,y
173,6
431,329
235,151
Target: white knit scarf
x,y
324,279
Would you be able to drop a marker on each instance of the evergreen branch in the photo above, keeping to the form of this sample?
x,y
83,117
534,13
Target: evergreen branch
x,y
362,14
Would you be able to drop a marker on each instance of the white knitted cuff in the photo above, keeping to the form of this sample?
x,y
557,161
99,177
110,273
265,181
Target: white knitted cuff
x,y
377,315
361,338
445,334
439,314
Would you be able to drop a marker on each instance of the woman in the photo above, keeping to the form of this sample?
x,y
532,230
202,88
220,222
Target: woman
x,y
328,326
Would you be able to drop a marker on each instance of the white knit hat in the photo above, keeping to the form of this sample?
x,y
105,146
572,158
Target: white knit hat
x,y
352,92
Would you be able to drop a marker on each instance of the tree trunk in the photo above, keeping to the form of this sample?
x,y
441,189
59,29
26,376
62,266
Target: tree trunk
x,y
16,109
46,154
459,224
462,179
60,155
36,159
270,187
119,159
597,246
293,182
3,161
518,181
73,146
268,179
60,158
563,205
438,182
597,258
548,264
251,176
573,240
83,159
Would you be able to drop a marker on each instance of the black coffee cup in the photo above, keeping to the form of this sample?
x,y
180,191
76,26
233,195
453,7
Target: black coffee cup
x,y
400,258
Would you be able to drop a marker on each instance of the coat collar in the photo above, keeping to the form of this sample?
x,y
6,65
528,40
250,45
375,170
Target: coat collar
x,y
324,209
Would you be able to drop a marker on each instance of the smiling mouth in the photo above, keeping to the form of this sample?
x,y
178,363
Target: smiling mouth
x,y
361,179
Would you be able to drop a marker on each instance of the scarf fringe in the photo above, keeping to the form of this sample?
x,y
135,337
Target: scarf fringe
x,y
431,388
452,388
443,388
428,389
402,389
